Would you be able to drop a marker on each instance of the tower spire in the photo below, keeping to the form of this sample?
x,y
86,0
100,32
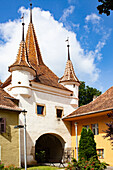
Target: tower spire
x,y
30,12
23,28
68,48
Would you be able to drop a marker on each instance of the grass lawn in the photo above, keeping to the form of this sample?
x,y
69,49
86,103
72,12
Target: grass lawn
x,y
43,168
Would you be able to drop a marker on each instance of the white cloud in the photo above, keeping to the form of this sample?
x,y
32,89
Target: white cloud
x,y
93,18
51,36
66,13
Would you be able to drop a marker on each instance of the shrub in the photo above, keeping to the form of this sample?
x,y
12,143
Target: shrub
x,y
11,167
1,165
91,164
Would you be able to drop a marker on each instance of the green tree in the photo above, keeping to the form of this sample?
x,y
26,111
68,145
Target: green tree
x,y
87,145
83,144
87,93
91,145
105,7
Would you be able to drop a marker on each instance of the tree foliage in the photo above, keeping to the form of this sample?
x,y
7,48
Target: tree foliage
x,y
87,93
105,7
109,131
87,145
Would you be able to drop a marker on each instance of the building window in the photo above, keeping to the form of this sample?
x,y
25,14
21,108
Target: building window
x,y
86,126
2,125
95,129
100,152
59,112
40,109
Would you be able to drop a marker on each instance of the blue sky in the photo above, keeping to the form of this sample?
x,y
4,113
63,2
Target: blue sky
x,y
90,36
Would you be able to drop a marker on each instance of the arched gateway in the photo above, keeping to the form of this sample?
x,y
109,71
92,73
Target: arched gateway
x,y
49,148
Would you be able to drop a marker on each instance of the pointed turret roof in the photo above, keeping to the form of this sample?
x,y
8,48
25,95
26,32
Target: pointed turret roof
x,y
33,49
69,73
29,55
44,74
22,57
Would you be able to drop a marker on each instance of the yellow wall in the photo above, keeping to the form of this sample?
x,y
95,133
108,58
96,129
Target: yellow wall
x,y
100,141
9,141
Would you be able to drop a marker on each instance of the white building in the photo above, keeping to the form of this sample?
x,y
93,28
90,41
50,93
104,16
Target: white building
x,y
45,97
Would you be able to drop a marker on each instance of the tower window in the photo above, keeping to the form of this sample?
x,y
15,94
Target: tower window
x,y
19,82
73,85
40,109
59,112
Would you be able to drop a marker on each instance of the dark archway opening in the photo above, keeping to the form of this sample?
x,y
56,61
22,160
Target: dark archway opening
x,y
48,148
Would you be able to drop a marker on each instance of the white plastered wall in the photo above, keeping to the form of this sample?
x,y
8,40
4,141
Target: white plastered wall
x,y
38,125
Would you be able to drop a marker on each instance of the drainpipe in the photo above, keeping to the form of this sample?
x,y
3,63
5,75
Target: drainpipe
x,y
76,141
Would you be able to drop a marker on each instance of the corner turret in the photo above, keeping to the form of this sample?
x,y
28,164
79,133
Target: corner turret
x,y
70,80
22,71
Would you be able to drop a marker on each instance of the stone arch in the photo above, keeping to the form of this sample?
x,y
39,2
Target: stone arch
x,y
49,147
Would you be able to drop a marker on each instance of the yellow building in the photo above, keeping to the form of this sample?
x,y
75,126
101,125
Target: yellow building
x,y
9,137
94,116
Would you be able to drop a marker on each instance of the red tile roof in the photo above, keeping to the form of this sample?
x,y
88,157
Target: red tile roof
x,y
6,102
101,103
29,55
22,57
69,74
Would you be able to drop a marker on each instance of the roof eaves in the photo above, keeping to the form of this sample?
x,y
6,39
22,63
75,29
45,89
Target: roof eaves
x,y
10,109
83,114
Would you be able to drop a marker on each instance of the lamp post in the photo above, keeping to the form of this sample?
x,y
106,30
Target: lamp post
x,y
25,148
76,141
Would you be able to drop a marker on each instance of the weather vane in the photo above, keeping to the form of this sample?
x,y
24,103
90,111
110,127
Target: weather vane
x,y
22,18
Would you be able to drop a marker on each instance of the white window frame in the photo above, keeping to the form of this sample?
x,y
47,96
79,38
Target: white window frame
x,y
95,129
